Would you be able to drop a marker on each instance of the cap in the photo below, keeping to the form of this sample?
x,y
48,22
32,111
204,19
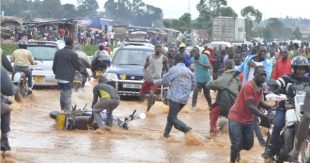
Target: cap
x,y
207,52
182,45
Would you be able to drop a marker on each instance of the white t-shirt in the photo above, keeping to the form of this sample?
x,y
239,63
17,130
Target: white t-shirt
x,y
112,35
251,72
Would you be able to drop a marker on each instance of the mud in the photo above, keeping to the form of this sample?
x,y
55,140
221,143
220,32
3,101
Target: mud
x,y
34,137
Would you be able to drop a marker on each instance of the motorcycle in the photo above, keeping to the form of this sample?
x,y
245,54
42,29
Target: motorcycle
x,y
21,81
78,119
292,118
77,81
99,73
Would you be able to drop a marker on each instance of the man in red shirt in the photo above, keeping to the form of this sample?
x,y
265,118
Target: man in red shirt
x,y
241,114
283,65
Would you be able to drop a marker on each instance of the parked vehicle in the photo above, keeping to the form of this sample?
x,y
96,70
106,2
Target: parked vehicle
x,y
228,29
43,53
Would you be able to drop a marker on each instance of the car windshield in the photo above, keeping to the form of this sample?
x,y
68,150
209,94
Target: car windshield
x,y
43,52
131,57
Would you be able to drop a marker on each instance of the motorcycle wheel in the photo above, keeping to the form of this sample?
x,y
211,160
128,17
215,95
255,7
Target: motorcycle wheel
x,y
23,88
304,155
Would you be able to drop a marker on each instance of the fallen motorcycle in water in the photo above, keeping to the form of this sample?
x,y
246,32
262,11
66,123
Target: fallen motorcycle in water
x,y
79,119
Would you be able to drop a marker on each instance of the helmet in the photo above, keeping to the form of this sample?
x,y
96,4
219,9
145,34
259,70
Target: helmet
x,y
182,45
299,61
22,44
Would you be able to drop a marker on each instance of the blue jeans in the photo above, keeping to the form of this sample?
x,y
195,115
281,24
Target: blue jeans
x,y
172,119
65,95
258,131
206,92
101,105
278,124
241,136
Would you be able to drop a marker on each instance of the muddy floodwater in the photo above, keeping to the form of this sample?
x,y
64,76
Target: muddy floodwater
x,y
34,137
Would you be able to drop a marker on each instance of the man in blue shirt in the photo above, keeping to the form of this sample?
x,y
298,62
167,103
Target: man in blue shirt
x,y
182,82
202,76
187,59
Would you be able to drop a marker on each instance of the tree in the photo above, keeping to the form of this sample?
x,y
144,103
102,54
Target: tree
x,y
252,16
69,11
227,11
276,26
51,9
268,34
297,34
87,7
184,21
207,11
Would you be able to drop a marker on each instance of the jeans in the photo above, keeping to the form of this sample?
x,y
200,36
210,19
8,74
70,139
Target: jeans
x,y
27,71
101,105
278,124
65,95
241,137
5,118
172,120
206,92
258,131
5,126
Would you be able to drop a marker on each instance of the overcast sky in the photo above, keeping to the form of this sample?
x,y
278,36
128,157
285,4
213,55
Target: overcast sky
x,y
269,8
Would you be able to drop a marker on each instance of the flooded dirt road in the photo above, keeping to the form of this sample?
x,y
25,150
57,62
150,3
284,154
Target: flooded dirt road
x,y
34,137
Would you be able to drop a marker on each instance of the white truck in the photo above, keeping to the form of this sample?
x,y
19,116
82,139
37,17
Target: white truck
x,y
228,29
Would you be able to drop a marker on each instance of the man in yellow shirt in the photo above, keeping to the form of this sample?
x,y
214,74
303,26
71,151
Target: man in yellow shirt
x,y
22,58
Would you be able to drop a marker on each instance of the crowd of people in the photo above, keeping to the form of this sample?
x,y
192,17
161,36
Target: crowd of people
x,y
238,75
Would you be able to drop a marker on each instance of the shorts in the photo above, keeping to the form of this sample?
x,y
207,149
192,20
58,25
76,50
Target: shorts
x,y
148,86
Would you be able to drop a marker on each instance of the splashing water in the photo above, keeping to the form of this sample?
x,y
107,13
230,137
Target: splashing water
x,y
191,139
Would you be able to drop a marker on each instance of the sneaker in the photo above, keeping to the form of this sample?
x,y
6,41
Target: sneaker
x,y
166,135
268,154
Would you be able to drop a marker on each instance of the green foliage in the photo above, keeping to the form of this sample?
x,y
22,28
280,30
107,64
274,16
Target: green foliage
x,y
8,48
268,34
252,16
296,34
136,13
227,11
88,7
210,9
89,49
28,10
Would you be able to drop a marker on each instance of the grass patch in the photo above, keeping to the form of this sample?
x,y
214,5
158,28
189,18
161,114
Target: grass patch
x,y
89,49
8,48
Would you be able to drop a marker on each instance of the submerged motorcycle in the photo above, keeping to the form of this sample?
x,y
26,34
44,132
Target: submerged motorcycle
x,y
78,119
21,81
287,135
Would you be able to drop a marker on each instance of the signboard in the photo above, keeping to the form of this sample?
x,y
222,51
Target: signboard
x,y
94,22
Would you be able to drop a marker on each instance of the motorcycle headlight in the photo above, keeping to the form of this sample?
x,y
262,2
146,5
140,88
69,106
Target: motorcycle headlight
x,y
17,76
111,76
